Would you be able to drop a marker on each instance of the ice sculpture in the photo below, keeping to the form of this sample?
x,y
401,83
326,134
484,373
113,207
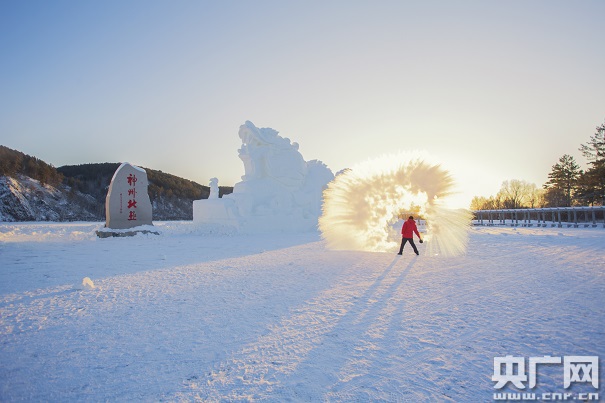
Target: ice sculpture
x,y
279,191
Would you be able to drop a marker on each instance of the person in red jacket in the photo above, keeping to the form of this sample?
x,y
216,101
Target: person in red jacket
x,y
407,234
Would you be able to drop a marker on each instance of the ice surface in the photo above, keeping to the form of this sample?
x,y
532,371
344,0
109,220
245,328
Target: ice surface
x,y
279,191
362,204
192,316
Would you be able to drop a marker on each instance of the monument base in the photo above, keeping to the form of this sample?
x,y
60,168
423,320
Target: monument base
x,y
111,232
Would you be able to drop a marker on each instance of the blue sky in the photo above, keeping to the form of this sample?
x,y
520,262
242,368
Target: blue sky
x,y
494,90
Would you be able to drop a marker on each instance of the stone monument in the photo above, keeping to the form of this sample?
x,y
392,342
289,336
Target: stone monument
x,y
127,205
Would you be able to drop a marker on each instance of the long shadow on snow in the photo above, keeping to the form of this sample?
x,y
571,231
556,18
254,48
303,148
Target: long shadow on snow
x,y
354,340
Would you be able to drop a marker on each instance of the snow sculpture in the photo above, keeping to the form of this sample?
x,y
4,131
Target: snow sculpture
x,y
279,191
363,204
213,188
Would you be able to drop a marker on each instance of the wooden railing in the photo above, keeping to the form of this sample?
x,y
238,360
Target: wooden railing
x,y
570,217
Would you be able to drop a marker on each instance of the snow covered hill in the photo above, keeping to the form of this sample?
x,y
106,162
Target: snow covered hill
x,y
25,199
195,315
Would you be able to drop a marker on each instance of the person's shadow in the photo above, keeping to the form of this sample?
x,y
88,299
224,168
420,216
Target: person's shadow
x,y
354,339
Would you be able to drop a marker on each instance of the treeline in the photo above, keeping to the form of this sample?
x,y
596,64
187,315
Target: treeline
x,y
568,185
165,185
13,162
94,179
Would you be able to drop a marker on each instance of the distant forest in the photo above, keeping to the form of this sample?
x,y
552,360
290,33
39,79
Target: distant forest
x,y
94,179
14,162
567,184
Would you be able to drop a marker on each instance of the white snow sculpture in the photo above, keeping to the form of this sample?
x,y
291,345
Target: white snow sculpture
x,y
279,191
213,188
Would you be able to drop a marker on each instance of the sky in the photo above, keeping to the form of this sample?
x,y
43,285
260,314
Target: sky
x,y
492,90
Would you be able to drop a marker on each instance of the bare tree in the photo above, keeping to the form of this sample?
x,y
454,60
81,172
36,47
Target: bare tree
x,y
516,193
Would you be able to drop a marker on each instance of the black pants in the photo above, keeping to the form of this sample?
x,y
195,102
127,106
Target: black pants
x,y
411,241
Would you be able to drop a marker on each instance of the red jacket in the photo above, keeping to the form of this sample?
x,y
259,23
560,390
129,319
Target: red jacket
x,y
409,228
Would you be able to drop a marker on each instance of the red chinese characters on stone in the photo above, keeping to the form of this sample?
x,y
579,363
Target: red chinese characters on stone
x,y
132,203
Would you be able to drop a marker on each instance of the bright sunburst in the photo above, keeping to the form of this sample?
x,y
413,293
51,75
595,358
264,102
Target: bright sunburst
x,y
362,204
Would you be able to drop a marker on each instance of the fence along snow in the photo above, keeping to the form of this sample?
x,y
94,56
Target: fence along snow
x,y
570,217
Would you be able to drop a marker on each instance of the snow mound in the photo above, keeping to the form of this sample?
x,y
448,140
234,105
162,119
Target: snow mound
x,y
87,284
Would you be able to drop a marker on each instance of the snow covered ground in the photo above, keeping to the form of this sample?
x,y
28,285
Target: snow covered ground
x,y
191,315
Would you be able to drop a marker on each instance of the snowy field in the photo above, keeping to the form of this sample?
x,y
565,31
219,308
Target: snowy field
x,y
188,316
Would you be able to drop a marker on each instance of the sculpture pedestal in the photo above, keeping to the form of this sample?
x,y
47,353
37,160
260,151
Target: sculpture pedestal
x,y
214,211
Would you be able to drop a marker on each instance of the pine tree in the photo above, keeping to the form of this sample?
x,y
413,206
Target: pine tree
x,y
593,180
562,181
589,191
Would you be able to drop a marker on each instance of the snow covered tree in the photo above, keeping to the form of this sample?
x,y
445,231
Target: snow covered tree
x,y
562,182
592,183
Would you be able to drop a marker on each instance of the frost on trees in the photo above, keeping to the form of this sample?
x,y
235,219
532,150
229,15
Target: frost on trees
x,y
279,191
